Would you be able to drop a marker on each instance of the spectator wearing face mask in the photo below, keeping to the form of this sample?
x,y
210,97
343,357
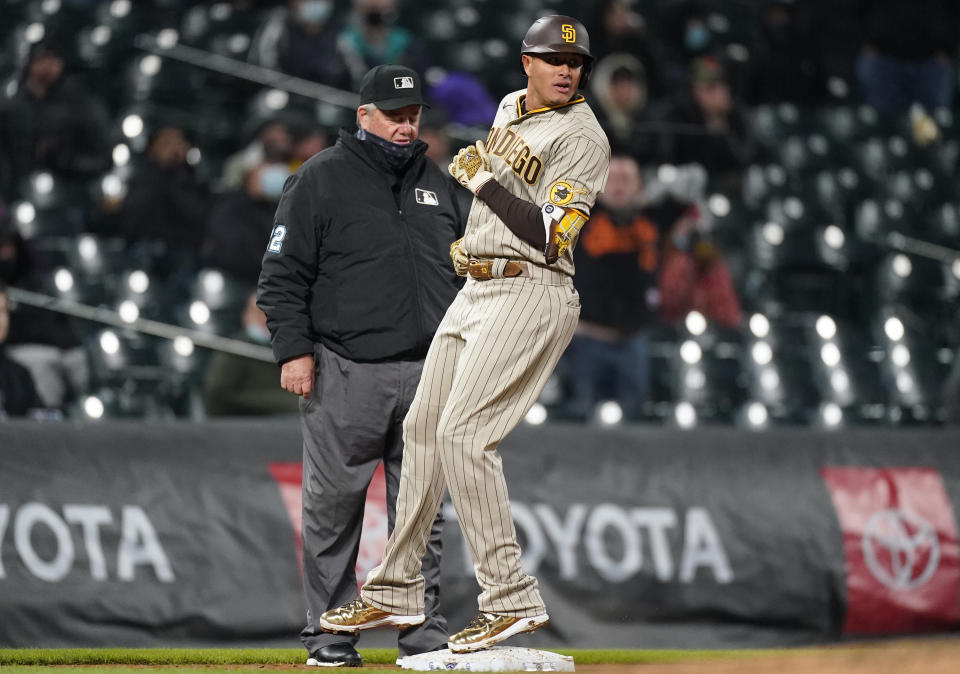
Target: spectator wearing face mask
x,y
372,38
240,386
166,205
301,40
273,137
241,220
686,36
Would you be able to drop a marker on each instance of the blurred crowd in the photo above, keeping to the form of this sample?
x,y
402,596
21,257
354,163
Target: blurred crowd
x,y
113,162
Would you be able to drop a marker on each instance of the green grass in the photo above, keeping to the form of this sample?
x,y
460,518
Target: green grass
x,y
131,669
188,660
171,656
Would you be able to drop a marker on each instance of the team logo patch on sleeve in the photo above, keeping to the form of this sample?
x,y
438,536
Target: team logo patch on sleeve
x,y
562,193
427,197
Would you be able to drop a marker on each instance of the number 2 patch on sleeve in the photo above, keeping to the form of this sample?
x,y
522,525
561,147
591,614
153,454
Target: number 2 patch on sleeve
x,y
276,239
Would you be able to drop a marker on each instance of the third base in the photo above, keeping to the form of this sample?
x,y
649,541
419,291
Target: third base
x,y
497,659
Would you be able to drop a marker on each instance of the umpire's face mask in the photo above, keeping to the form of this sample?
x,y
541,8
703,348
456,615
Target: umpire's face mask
x,y
396,155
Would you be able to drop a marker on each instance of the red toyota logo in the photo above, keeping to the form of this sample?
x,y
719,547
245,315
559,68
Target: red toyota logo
x,y
373,537
901,550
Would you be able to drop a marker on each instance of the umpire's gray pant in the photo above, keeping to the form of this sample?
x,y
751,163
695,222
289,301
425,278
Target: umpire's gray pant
x,y
352,421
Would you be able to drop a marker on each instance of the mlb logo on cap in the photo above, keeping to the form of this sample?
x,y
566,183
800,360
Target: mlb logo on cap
x,y
390,87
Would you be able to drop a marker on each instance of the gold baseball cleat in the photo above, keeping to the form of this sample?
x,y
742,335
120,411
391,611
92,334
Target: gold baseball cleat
x,y
358,615
488,629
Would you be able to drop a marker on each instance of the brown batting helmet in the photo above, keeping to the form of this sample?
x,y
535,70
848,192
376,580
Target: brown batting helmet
x,y
559,34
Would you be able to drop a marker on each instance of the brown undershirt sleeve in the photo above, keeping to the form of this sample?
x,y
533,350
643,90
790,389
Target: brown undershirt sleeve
x,y
519,215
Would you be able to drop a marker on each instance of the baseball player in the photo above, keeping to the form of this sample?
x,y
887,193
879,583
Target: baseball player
x,y
534,180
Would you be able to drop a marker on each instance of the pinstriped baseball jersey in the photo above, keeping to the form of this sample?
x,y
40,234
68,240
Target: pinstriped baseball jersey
x,y
557,155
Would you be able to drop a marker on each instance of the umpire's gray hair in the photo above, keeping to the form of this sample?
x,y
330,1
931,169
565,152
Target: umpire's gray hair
x,y
369,107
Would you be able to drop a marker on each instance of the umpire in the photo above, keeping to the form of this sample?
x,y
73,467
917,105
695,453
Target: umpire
x,y
354,282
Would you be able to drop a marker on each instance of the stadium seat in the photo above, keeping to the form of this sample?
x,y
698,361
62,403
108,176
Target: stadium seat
x,y
912,368
706,373
154,296
941,225
801,268
49,191
839,188
844,360
838,122
918,281
763,182
214,303
161,81
868,123
36,224
135,401
920,188
202,21
774,122
807,153
95,257
874,220
940,157
727,220
777,376
116,356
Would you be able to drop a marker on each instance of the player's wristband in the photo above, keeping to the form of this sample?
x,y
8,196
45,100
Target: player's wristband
x,y
479,180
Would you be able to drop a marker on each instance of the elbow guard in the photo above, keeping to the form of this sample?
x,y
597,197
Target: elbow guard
x,y
561,228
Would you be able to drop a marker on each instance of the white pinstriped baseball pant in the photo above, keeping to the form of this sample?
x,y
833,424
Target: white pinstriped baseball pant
x,y
491,357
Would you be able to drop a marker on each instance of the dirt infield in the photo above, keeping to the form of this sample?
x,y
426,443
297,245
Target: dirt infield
x,y
899,657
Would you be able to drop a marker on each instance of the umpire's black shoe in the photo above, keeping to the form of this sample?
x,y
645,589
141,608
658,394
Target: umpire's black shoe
x,y
335,655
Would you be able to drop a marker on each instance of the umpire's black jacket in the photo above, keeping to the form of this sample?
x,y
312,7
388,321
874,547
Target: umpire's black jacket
x,y
359,257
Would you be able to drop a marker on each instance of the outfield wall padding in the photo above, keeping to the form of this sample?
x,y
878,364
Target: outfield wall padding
x,y
134,534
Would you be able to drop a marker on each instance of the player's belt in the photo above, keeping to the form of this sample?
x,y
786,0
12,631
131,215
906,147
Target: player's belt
x,y
484,270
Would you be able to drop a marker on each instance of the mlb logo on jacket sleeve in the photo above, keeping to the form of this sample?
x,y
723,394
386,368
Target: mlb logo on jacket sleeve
x,y
427,197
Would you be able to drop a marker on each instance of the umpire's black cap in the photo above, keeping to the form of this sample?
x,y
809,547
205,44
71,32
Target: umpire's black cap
x,y
391,87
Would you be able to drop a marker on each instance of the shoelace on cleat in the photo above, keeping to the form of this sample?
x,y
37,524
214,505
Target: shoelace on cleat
x,y
481,621
355,606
